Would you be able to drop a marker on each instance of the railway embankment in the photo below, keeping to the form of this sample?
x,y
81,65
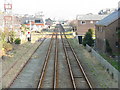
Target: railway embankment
x,y
108,67
12,65
94,70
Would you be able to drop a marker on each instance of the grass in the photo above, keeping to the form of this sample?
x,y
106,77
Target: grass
x,y
111,61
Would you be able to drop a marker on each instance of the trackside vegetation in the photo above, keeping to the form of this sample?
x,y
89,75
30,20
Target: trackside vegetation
x,y
88,38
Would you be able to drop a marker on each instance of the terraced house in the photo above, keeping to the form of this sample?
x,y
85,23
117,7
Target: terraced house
x,y
107,29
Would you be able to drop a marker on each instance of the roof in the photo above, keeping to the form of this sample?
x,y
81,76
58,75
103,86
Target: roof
x,y
31,18
90,17
109,19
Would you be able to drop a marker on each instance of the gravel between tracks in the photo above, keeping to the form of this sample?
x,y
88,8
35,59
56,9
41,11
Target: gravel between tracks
x,y
32,69
10,75
49,73
63,72
19,54
96,73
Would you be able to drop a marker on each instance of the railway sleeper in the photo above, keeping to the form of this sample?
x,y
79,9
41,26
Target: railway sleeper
x,y
78,76
68,48
66,45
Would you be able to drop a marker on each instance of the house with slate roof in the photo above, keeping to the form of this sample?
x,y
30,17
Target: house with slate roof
x,y
87,21
107,29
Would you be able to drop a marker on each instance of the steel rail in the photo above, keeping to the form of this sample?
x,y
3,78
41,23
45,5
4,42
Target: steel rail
x,y
45,64
69,66
24,66
15,63
55,62
79,64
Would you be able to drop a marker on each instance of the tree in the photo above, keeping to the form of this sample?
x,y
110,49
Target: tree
x,y
88,39
91,31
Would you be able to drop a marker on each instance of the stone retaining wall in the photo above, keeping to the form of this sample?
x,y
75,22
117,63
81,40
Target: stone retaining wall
x,y
109,68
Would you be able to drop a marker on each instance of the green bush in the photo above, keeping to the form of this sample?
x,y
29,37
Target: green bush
x,y
7,46
17,41
88,39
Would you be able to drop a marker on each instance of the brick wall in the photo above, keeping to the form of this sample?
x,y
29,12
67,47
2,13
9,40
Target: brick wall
x,y
83,28
109,33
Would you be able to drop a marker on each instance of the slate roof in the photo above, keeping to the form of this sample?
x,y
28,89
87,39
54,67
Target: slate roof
x,y
109,19
90,17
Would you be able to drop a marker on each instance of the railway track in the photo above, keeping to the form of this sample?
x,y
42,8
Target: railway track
x,y
48,71
56,63
48,75
19,59
12,81
78,76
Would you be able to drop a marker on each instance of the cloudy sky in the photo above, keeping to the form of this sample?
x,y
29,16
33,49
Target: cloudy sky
x,y
62,9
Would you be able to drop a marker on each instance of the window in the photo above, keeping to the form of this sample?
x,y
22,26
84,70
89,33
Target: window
x,y
100,29
37,21
91,22
83,22
117,44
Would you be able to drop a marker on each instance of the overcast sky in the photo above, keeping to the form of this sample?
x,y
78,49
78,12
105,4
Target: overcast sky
x,y
67,9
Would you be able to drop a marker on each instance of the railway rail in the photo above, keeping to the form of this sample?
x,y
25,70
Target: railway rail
x,y
12,81
49,70
18,60
47,61
56,63
68,48
45,64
